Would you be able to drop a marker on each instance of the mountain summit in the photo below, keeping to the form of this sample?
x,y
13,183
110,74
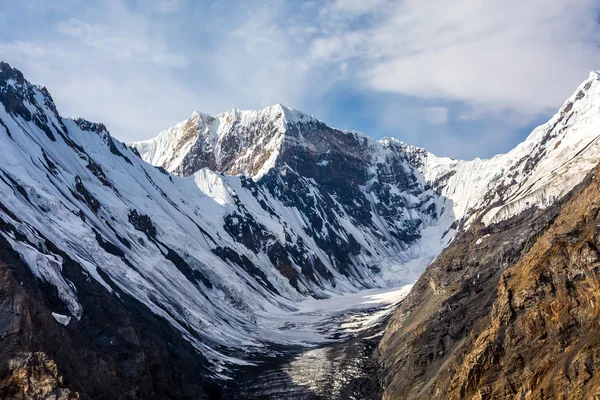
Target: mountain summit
x,y
235,142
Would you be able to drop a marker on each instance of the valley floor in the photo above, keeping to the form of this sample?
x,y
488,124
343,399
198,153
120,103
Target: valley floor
x,y
334,359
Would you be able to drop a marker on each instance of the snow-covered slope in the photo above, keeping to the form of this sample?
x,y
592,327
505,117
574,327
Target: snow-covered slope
x,y
547,165
213,255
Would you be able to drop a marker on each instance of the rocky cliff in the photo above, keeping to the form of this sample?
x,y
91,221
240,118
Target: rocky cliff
x,y
509,310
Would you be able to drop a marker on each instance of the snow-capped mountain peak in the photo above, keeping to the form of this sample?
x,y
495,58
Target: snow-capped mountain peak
x,y
541,169
236,141
274,112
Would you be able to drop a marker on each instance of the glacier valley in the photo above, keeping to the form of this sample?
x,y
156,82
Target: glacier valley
x,y
250,235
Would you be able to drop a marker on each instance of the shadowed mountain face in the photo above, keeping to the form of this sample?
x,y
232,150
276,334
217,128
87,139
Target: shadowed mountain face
x,y
117,349
126,279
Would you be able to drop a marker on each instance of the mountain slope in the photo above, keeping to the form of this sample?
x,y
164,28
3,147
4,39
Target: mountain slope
x,y
540,170
212,259
508,310
544,324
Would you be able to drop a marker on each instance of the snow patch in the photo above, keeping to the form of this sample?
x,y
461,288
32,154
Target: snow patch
x,y
61,319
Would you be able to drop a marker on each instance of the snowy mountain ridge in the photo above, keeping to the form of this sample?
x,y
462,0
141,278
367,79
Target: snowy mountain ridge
x,y
227,142
223,259
540,170
550,162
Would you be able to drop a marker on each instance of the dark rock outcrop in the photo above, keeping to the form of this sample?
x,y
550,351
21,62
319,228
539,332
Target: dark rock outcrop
x,y
117,350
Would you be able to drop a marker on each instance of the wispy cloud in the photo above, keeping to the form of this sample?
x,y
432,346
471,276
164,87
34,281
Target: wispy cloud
x,y
427,71
108,64
129,44
515,55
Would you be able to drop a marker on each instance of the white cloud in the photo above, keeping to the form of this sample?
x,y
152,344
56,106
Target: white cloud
x,y
125,40
526,56
437,115
262,60
141,66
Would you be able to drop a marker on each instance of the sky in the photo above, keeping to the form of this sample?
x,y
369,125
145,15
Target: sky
x,y
465,79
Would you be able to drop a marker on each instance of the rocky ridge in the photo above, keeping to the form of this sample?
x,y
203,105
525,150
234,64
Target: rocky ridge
x,y
508,309
539,171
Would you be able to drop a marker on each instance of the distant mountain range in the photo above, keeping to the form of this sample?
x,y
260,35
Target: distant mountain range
x,y
154,265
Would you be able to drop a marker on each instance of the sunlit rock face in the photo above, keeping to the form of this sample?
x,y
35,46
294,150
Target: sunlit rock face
x,y
508,309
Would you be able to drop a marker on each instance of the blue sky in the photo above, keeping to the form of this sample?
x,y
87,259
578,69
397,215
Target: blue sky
x,y
468,78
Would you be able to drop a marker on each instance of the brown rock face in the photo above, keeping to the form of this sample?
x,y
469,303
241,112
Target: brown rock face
x,y
514,314
24,372
35,376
